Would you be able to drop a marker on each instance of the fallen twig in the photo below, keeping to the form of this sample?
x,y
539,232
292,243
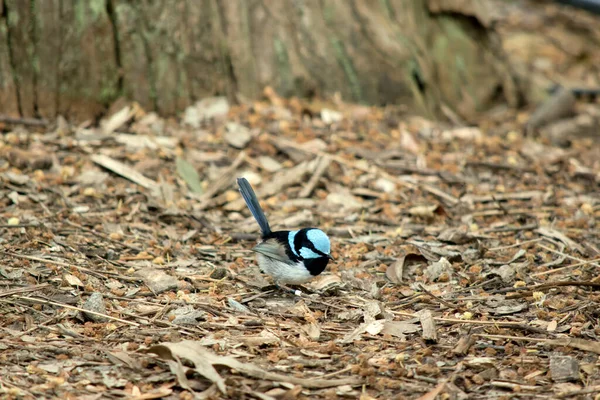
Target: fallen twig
x,y
26,289
125,171
54,303
23,121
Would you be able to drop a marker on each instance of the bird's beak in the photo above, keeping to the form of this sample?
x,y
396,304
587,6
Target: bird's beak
x,y
330,257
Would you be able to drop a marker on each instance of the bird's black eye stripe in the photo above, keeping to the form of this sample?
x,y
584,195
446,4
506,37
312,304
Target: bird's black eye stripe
x,y
298,241
312,247
301,238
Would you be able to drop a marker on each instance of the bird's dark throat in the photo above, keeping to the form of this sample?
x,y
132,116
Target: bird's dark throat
x,y
316,265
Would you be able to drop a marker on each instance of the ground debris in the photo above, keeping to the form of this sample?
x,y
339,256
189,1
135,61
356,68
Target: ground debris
x,y
465,256
564,368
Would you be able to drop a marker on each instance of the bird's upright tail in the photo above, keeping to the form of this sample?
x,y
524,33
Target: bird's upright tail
x,y
253,205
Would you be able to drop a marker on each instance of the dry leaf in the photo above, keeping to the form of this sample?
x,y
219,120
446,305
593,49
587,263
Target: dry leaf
x,y
237,135
423,211
117,119
73,280
206,359
399,328
394,271
189,174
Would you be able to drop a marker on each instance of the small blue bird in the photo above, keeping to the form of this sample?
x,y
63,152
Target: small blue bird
x,y
290,257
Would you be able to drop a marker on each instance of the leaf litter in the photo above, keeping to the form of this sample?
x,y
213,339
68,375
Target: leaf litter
x,y
466,257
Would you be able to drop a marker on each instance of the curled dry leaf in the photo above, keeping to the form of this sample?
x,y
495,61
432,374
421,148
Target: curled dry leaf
x,y
73,280
173,352
396,270
325,281
423,211
116,120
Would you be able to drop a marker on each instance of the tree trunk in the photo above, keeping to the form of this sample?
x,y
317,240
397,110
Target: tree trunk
x,y
74,58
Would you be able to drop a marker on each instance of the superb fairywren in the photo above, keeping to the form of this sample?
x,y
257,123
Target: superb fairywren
x,y
292,257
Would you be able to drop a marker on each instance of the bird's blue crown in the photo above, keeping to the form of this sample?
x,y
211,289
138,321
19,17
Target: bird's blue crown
x,y
320,240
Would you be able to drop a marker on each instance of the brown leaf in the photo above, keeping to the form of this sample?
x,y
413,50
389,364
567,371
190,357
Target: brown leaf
x,y
394,270
399,328
174,352
201,356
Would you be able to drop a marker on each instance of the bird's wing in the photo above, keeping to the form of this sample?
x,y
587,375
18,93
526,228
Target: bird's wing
x,y
273,249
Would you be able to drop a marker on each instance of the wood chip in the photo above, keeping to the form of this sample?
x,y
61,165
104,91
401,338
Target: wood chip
x,y
125,171
429,326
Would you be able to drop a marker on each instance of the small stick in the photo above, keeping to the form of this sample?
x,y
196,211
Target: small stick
x,y
444,302
125,171
580,344
515,211
514,245
44,260
551,271
528,194
509,337
543,286
314,179
335,373
9,226
23,121
551,285
42,301
33,288
566,255
511,228
513,386
463,321
84,269
573,393
439,193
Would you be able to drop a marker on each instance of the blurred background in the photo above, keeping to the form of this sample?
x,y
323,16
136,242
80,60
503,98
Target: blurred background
x,y
448,59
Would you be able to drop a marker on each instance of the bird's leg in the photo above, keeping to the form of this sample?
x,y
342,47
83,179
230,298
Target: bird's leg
x,y
288,289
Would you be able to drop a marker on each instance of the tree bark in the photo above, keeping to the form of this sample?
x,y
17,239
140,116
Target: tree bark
x,y
74,58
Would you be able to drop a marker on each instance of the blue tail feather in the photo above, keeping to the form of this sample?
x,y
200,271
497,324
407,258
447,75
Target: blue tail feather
x,y
253,205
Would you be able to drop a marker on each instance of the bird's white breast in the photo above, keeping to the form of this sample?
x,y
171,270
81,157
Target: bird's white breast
x,y
284,273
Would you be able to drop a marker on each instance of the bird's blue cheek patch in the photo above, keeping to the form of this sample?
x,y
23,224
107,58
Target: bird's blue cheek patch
x,y
308,253
291,237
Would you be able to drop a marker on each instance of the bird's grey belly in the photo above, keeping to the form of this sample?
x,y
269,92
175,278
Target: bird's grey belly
x,y
284,273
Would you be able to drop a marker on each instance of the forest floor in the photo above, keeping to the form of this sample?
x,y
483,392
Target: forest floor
x,y
466,255
466,258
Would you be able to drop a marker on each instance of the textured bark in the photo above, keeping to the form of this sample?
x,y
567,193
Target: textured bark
x,y
76,57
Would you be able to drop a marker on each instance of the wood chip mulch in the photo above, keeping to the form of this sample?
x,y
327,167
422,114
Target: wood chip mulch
x,y
466,258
